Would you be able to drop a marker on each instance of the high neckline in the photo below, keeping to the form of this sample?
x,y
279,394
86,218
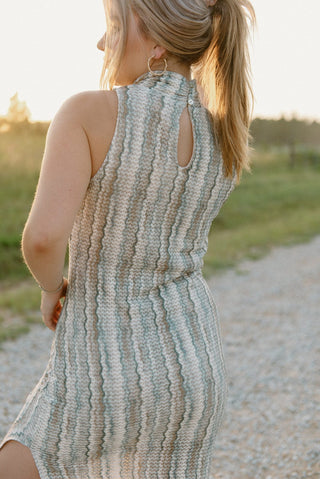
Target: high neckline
x,y
169,82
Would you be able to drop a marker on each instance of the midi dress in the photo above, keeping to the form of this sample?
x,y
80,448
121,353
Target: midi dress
x,y
136,383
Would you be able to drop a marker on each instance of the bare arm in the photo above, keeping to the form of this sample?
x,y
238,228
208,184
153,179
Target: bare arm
x,y
64,177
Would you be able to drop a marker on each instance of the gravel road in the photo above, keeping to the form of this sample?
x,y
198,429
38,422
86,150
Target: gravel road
x,y
270,324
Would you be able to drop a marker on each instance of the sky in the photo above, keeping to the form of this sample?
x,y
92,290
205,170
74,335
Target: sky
x,y
48,52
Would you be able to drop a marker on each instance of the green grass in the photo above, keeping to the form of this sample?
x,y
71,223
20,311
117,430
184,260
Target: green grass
x,y
20,159
275,205
21,299
19,307
33,320
12,332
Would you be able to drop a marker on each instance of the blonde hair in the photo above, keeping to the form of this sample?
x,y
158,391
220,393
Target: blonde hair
x,y
213,42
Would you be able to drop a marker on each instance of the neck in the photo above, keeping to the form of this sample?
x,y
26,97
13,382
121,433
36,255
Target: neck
x,y
173,66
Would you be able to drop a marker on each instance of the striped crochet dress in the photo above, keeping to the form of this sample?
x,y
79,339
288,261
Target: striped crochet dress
x,y
135,385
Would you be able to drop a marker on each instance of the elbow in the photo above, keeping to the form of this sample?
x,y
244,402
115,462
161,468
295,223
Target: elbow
x,y
36,242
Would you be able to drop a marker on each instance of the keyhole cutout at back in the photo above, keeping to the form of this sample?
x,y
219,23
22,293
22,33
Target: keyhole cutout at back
x,y
185,140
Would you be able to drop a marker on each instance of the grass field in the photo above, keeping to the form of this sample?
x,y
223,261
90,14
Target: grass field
x,y
273,205
20,159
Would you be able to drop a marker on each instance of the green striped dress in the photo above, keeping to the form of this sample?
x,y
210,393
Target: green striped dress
x,y
135,386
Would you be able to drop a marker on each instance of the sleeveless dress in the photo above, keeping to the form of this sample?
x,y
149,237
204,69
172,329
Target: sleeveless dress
x,y
135,386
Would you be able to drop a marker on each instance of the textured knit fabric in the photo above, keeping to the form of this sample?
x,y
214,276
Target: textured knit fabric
x,y
135,386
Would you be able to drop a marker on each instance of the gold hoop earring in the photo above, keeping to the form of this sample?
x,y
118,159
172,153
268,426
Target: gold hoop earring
x,y
152,71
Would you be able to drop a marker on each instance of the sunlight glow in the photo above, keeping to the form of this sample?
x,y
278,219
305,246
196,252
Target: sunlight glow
x,y
49,53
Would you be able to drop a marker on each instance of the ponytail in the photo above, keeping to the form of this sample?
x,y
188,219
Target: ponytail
x,y
229,96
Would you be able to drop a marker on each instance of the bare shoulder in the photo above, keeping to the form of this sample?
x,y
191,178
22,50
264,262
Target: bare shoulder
x,y
97,112
91,106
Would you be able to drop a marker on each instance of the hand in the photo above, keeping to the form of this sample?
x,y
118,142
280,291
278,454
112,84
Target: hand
x,y
51,306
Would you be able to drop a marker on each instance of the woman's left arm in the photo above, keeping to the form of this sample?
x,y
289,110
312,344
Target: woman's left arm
x,y
64,177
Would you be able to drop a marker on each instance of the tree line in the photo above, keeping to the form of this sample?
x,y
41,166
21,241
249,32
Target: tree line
x,y
284,132
264,132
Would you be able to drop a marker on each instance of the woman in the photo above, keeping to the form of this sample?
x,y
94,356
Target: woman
x,y
133,177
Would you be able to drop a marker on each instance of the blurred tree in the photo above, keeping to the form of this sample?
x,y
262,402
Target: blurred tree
x,y
18,111
285,132
300,137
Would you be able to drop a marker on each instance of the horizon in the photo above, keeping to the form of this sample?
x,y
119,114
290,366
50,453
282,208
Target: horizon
x,y
288,118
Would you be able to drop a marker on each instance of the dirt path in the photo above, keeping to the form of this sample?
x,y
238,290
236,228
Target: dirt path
x,y
270,325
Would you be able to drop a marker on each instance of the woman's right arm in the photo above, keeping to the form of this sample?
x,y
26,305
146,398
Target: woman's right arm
x,y
64,177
